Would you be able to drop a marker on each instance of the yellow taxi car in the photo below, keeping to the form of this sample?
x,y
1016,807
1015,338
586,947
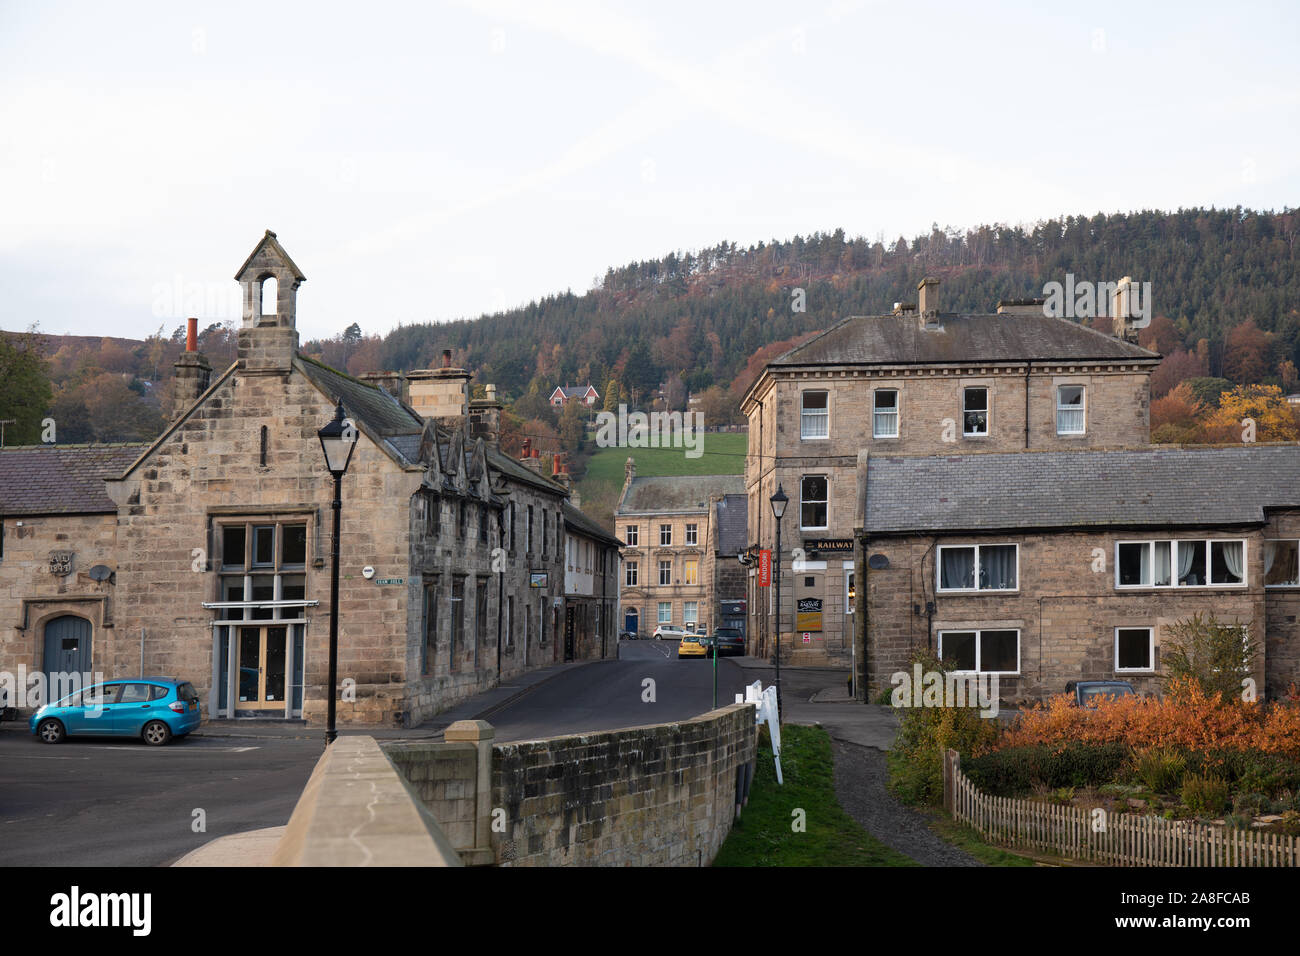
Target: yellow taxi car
x,y
692,646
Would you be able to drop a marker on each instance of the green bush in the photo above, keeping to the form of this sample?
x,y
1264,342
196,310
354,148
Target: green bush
x,y
1205,795
1016,771
1159,770
924,734
1252,804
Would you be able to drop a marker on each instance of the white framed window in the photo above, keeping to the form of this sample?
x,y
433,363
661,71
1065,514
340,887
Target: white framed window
x,y
665,573
691,571
665,535
631,574
630,535
1282,563
1135,649
665,612
692,534
813,499
978,567
1071,412
884,417
1182,563
994,651
975,411
691,613
815,415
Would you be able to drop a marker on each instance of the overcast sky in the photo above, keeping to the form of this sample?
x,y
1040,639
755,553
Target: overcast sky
x,y
432,161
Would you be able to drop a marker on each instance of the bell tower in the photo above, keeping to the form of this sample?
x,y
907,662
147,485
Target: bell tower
x,y
268,337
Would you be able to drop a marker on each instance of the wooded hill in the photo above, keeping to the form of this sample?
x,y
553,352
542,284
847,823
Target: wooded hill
x,y
701,315
1225,288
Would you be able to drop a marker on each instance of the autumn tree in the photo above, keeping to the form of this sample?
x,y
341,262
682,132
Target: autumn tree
x,y
1178,366
1160,336
612,393
1263,405
1175,417
1246,353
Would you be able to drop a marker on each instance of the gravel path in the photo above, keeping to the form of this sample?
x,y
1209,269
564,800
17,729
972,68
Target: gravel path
x,y
860,776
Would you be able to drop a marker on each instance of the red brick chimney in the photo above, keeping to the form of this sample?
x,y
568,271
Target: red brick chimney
x,y
193,373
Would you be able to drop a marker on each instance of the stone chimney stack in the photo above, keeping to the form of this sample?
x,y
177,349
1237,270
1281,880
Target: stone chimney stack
x,y
1121,310
531,458
485,418
629,472
391,382
927,302
440,394
193,373
268,338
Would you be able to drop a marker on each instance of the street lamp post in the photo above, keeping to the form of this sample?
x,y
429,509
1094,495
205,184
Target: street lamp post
x,y
779,501
338,439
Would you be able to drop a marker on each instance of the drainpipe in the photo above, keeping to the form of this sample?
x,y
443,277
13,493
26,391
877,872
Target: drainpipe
x,y
1027,367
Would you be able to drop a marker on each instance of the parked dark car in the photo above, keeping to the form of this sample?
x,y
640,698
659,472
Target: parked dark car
x,y
628,635
730,641
1085,692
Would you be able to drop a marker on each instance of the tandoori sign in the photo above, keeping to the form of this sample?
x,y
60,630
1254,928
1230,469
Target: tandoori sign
x,y
765,569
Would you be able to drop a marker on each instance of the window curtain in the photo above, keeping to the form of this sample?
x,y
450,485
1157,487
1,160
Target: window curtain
x,y
1186,554
958,568
998,567
1232,558
1162,562
1145,564
1270,555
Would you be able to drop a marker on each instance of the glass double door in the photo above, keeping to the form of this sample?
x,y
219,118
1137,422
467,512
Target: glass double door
x,y
262,667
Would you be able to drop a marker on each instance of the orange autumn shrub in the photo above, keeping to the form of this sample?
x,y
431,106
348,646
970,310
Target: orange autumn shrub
x,y
1188,717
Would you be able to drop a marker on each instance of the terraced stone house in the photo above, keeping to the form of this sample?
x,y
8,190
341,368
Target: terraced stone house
x,y
918,381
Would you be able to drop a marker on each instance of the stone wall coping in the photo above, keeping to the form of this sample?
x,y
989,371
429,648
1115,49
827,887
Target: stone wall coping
x,y
358,810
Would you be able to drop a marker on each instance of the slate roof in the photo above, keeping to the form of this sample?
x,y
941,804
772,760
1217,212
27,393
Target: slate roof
x,y
677,493
733,524
61,479
575,519
900,340
373,407
1158,486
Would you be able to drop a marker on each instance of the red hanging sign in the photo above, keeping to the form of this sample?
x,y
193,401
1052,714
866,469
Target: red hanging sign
x,y
765,569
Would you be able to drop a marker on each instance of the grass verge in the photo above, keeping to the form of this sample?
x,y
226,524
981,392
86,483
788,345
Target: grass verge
x,y
968,840
765,835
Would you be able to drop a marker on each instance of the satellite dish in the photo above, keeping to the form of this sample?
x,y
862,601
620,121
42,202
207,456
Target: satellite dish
x,y
877,562
100,572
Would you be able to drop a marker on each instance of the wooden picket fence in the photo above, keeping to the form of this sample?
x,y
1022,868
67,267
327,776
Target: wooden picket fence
x,y
1115,839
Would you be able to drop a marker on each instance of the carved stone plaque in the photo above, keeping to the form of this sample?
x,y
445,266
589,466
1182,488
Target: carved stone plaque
x,y
61,563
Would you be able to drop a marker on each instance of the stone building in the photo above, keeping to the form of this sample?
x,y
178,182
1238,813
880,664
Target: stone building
x,y
665,525
58,556
451,552
918,381
726,576
590,588
1047,567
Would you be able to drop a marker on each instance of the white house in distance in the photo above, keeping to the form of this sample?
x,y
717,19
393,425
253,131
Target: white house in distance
x,y
585,394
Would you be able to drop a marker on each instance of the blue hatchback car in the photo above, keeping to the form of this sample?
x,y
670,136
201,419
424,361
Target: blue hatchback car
x,y
156,709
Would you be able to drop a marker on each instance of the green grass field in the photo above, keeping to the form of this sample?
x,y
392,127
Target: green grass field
x,y
723,454
764,835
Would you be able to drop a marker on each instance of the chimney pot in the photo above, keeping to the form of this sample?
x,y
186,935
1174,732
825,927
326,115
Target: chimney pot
x,y
192,335
446,358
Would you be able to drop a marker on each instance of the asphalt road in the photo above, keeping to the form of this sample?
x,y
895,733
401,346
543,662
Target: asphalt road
x,y
606,695
120,802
